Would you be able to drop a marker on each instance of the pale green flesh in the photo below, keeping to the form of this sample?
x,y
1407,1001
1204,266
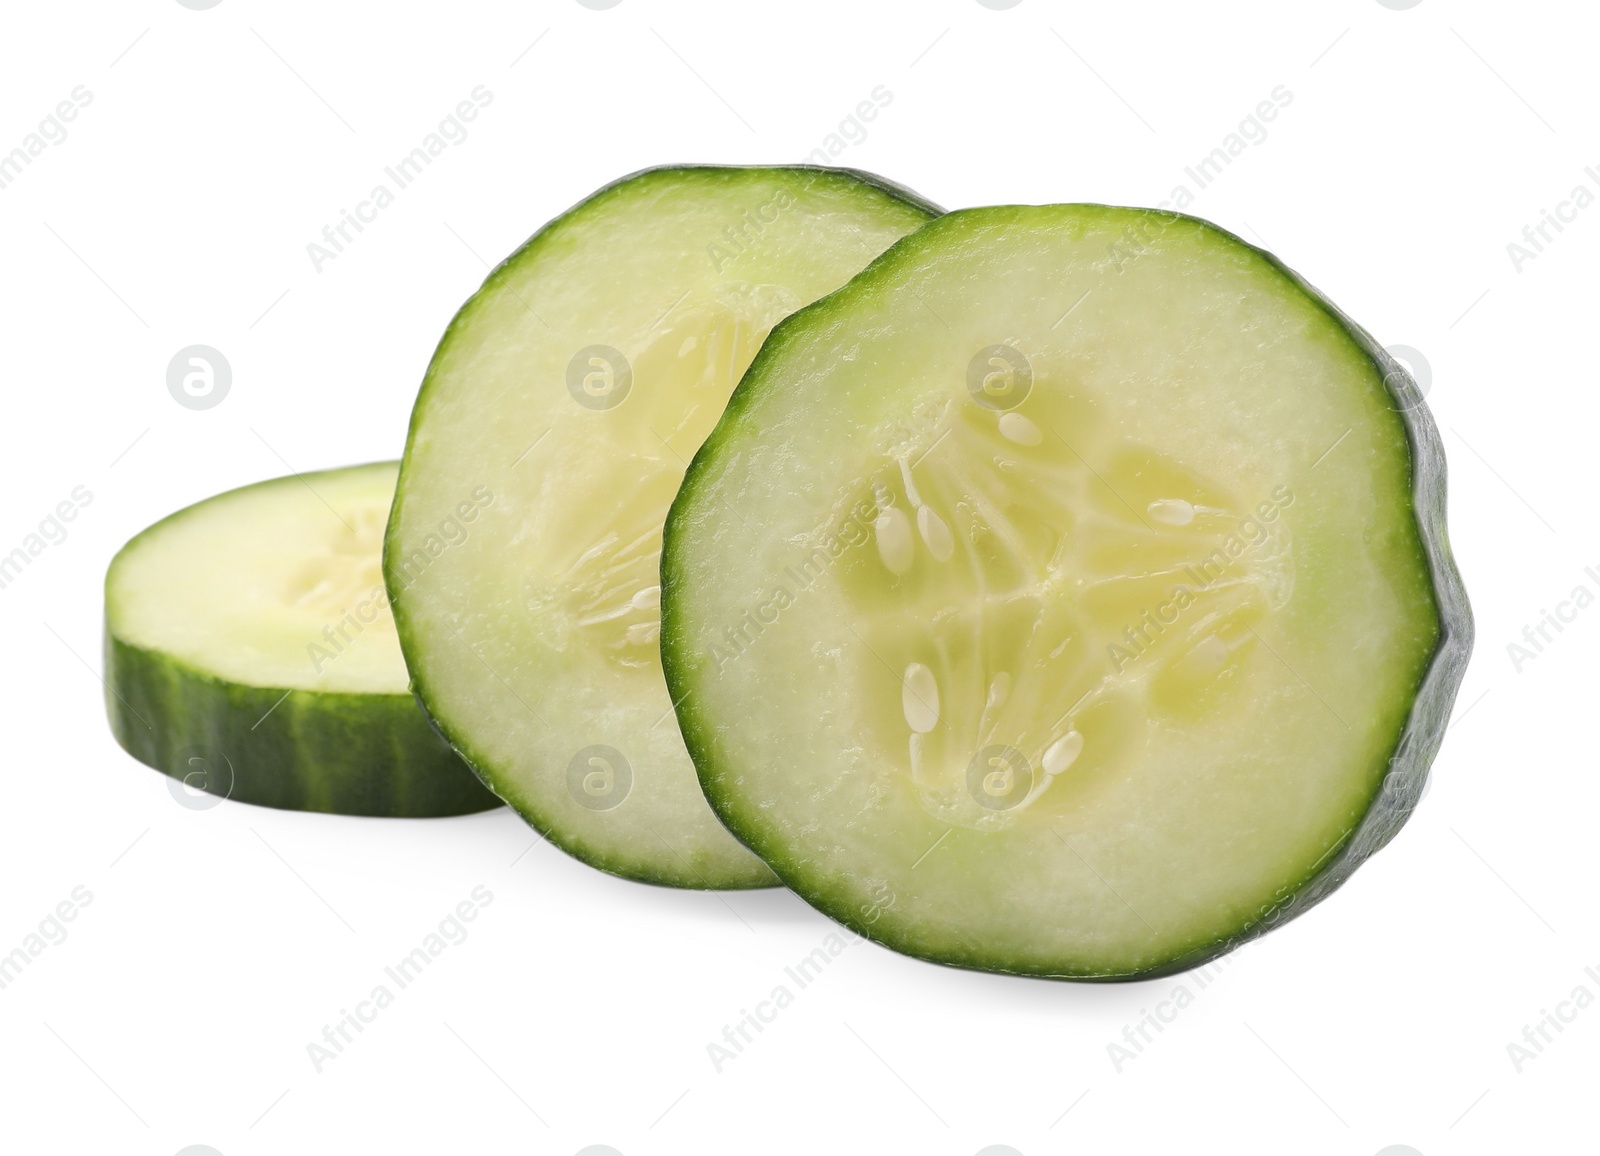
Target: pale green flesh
x,y
907,585
273,585
536,637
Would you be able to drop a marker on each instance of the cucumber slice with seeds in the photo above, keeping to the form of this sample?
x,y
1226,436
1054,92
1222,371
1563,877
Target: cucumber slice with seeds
x,y
1091,612
250,653
577,384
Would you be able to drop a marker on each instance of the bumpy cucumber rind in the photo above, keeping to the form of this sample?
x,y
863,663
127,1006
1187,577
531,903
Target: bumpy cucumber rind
x,y
347,754
861,176
1423,733
1414,749
682,873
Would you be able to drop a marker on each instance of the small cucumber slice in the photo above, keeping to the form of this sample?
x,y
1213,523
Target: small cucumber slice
x,y
250,653
576,385
1067,595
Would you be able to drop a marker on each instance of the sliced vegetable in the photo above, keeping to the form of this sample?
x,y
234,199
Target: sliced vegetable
x,y
576,385
250,653
1067,595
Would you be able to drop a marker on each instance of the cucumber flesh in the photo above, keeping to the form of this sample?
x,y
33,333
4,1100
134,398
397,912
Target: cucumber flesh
x,y
576,385
1075,620
250,652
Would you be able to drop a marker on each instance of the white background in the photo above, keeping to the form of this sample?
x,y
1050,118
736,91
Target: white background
x,y
219,942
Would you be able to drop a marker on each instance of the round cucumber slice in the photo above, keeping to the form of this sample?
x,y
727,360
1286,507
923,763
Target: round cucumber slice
x,y
1067,595
250,653
576,385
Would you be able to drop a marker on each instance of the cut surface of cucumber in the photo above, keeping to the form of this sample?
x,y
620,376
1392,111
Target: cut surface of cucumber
x,y
1067,595
250,653
575,386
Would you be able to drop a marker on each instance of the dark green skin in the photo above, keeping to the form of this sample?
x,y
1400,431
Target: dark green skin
x,y
346,754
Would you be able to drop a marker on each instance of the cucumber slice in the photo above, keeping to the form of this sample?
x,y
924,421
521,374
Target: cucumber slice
x,y
576,385
250,653
1067,595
